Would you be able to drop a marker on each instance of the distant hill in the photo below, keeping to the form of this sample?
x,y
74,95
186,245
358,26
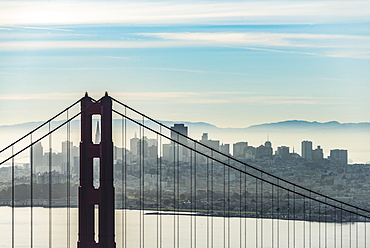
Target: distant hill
x,y
282,125
307,125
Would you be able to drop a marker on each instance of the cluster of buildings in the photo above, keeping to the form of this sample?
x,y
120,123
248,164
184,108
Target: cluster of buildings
x,y
242,150
180,148
140,160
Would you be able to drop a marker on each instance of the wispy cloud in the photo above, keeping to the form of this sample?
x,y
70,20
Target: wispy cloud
x,y
329,45
224,97
42,28
41,96
266,39
175,12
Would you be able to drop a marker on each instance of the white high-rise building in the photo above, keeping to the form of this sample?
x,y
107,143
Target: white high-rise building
x,y
37,155
307,149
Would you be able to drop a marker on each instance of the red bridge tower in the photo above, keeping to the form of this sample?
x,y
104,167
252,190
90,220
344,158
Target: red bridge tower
x,y
88,195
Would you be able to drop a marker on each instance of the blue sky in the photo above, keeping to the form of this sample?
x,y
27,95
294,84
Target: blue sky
x,y
229,63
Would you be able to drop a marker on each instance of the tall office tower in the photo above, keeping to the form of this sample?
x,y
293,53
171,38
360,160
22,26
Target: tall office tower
x,y
37,155
239,149
225,149
182,129
179,129
317,154
134,145
283,151
307,149
339,156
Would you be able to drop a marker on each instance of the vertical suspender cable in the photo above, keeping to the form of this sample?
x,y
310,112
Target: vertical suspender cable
x,y
31,189
140,212
50,189
245,210
278,217
140,185
335,227
288,208
207,202
174,188
326,223
256,215
157,171
365,232
341,226
304,222
13,185
310,224
160,188
68,182
191,199
177,194
319,222
195,195
228,204
224,213
294,217
350,230
240,209
261,212
143,188
123,196
272,216
212,199
356,228
124,161
178,191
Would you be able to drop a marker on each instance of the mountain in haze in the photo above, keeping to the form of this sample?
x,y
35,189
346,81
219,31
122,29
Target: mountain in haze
x,y
293,125
282,125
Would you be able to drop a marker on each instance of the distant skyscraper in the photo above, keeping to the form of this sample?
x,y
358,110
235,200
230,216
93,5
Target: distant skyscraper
x,y
134,145
182,129
307,149
283,151
239,149
317,154
37,155
179,129
225,149
339,156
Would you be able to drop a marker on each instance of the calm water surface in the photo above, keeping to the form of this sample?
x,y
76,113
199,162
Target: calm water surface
x,y
135,228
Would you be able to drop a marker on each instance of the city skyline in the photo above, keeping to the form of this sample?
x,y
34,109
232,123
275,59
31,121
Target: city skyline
x,y
230,64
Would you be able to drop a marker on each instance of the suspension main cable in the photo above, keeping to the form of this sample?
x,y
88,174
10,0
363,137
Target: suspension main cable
x,y
37,128
232,158
257,177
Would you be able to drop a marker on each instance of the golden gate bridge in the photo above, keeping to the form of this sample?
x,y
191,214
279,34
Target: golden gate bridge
x,y
195,196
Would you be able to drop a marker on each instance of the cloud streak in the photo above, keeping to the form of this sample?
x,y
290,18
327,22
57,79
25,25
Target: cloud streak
x,y
225,97
176,12
328,45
